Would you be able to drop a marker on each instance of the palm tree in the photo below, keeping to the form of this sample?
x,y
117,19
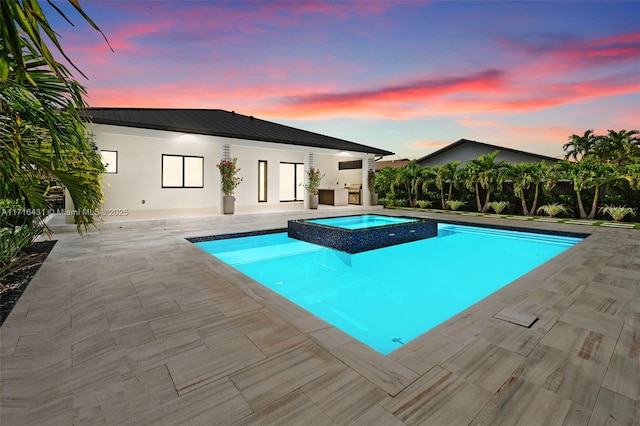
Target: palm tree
x,y
486,173
443,174
42,138
25,17
411,177
589,173
523,176
580,145
42,131
618,146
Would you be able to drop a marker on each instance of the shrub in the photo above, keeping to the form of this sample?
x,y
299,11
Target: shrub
x,y
617,212
13,241
455,204
552,210
423,204
498,206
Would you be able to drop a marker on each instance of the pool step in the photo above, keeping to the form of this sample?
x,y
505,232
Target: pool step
x,y
509,315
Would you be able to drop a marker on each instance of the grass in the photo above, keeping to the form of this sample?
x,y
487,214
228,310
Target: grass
x,y
572,221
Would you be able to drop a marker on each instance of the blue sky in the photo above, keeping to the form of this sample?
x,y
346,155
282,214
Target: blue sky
x,y
409,77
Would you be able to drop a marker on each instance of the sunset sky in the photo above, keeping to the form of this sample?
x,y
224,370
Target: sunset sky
x,y
409,77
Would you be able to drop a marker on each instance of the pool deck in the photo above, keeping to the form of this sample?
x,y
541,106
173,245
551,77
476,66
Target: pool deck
x,y
135,325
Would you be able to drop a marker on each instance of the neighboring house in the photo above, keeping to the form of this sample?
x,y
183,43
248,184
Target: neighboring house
x,y
165,159
396,164
465,150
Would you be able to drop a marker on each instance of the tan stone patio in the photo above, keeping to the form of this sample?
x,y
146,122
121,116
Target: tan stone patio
x,y
135,325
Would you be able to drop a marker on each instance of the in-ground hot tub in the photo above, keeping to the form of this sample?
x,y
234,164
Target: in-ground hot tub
x,y
355,234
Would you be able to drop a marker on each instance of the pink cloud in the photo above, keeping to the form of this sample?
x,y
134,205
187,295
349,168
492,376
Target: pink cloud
x,y
384,98
561,52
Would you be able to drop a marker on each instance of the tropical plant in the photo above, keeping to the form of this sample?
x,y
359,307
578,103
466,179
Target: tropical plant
x,y
26,18
371,180
13,241
618,147
313,181
617,213
523,176
589,173
447,173
423,204
486,173
498,206
229,178
412,179
42,133
385,178
554,209
580,146
455,204
42,136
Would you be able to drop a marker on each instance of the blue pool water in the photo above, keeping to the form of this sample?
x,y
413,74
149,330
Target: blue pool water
x,y
389,296
361,221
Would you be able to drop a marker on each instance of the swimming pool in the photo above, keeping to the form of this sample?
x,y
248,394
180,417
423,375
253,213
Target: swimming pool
x,y
361,221
389,296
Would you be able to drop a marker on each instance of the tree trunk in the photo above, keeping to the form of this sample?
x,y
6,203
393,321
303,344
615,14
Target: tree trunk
x,y
535,200
478,204
583,214
442,197
524,205
485,208
594,205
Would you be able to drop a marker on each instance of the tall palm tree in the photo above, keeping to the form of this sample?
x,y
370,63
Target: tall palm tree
x,y
618,146
411,177
590,173
486,173
443,174
523,176
580,146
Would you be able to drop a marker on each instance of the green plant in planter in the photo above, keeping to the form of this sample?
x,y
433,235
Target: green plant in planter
x,y
552,210
423,204
455,204
498,206
228,175
314,177
371,180
617,213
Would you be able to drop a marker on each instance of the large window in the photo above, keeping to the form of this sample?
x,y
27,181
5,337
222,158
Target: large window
x,y
110,161
262,181
182,171
291,181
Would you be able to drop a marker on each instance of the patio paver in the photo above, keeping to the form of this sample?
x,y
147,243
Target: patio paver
x,y
135,325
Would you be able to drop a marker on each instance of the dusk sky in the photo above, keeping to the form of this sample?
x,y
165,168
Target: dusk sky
x,y
408,77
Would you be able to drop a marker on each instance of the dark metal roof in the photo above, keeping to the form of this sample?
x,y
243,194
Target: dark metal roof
x,y
487,145
217,122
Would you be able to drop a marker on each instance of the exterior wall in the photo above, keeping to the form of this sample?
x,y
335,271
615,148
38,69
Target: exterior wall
x,y
465,153
139,175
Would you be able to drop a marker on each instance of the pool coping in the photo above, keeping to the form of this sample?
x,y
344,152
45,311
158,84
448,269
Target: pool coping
x,y
385,371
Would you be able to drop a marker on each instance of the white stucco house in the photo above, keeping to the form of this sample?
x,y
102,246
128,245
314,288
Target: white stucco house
x,y
165,159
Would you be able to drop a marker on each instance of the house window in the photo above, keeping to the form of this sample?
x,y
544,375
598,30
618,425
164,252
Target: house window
x,y
262,181
182,171
110,161
291,181
349,165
